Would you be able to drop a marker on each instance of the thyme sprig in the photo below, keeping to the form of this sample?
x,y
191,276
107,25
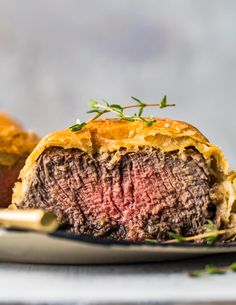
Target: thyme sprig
x,y
208,236
213,270
103,107
211,235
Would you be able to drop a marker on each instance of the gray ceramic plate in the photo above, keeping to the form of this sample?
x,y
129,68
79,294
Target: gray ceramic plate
x,y
63,248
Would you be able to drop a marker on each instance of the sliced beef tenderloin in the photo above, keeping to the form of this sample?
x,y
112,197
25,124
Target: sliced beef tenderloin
x,y
124,195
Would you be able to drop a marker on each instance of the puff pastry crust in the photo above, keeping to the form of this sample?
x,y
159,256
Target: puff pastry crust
x,y
108,135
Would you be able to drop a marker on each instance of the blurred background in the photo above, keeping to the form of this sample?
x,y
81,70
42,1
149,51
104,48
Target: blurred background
x,y
55,55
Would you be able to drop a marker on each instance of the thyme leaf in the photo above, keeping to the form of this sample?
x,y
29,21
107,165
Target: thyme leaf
x,y
163,102
178,237
211,227
196,273
92,103
116,107
126,118
152,241
93,111
211,269
138,100
77,127
140,111
150,123
233,267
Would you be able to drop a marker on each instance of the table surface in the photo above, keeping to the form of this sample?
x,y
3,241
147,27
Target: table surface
x,y
166,282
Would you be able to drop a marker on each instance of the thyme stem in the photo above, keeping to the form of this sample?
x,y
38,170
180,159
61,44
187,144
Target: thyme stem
x,y
97,116
147,105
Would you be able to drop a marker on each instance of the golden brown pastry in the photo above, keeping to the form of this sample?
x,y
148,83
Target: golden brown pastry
x,y
124,180
15,146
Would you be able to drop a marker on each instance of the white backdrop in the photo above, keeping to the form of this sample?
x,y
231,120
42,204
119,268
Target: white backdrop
x,y
55,55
